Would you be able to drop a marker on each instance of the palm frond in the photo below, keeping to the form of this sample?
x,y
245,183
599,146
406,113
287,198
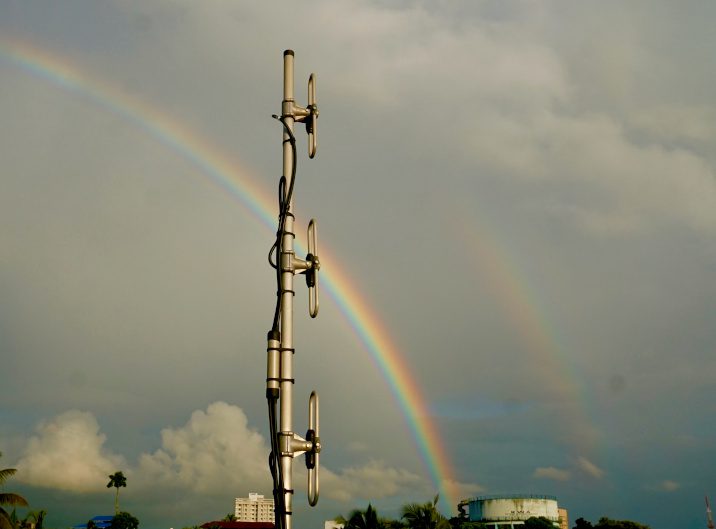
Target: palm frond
x,y
8,498
5,473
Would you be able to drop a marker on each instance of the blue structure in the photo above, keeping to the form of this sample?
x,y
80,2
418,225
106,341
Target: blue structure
x,y
100,522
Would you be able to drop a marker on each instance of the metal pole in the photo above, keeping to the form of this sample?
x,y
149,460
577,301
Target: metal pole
x,y
285,443
286,376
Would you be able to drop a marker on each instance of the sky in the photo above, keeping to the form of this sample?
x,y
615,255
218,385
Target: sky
x,y
516,207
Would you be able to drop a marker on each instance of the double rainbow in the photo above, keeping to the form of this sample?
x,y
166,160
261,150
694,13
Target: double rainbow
x,y
228,174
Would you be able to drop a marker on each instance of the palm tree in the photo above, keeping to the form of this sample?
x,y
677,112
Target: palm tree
x,y
39,518
367,519
424,515
117,480
8,498
231,517
34,519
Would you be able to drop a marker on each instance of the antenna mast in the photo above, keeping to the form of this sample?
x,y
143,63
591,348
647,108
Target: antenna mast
x,y
709,518
285,443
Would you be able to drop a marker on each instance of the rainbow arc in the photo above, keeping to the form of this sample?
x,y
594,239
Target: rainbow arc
x,y
226,173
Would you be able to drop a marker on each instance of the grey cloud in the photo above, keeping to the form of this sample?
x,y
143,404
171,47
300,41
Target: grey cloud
x,y
577,138
374,480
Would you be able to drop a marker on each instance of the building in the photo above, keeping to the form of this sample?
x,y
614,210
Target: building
x,y
508,511
563,518
255,508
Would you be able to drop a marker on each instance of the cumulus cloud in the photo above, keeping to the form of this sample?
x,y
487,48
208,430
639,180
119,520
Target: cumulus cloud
x,y
589,468
73,443
554,473
213,452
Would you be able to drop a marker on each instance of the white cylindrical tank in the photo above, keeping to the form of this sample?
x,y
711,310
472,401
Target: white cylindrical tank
x,y
509,507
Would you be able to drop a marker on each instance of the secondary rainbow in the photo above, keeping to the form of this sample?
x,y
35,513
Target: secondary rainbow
x,y
227,173
519,301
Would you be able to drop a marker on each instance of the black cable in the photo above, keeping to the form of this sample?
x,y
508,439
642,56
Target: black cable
x,y
284,205
281,194
276,474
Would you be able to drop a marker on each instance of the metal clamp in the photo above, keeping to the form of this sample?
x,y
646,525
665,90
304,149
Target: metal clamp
x,y
307,115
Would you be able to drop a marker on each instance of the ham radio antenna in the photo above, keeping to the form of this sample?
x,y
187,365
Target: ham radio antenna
x,y
285,443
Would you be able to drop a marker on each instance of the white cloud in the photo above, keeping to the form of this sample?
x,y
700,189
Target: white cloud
x,y
557,474
213,452
67,454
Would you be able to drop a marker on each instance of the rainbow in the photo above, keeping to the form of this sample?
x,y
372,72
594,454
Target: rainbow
x,y
521,305
227,173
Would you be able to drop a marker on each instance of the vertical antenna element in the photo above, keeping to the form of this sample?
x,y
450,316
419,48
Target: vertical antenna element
x,y
285,443
311,123
312,457
312,273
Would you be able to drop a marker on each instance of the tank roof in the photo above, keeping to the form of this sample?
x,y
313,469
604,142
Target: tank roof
x,y
515,497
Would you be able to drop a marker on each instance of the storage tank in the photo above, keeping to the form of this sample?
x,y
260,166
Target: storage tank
x,y
503,509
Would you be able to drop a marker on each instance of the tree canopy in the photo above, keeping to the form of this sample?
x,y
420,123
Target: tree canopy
x,y
581,523
9,498
124,520
424,515
608,523
359,519
413,516
538,523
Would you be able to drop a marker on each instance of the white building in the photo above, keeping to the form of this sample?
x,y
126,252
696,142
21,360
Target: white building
x,y
255,508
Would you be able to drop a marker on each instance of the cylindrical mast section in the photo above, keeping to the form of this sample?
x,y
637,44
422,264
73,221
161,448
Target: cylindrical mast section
x,y
286,401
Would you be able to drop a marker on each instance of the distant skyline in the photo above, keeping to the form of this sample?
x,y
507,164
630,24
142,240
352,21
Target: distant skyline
x,y
516,205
